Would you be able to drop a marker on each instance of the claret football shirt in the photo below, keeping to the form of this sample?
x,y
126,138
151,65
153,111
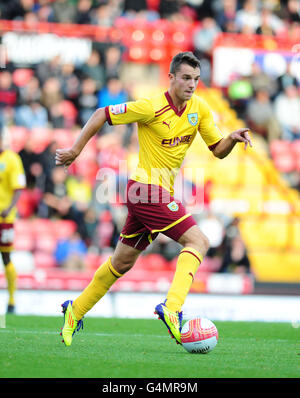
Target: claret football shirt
x,y
164,134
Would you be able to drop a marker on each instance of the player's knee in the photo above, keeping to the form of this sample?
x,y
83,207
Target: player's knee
x,y
122,265
204,243
196,239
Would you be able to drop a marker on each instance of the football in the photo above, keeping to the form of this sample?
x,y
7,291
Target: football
x,y
199,336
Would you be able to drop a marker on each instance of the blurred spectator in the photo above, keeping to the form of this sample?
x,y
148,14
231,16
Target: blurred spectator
x,y
270,23
292,11
56,115
113,61
112,93
261,80
135,5
31,115
8,90
164,246
235,257
240,92
51,92
44,11
287,79
63,11
106,231
102,15
57,203
15,9
205,35
32,164
47,69
94,69
167,8
69,82
47,159
87,100
260,116
91,222
287,106
29,202
227,14
30,92
70,253
79,191
248,18
133,9
214,229
83,12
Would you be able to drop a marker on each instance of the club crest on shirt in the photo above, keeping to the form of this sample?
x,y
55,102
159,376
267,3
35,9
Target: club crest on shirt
x,y
117,109
193,118
173,206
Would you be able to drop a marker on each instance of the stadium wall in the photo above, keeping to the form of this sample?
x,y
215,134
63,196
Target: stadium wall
x,y
141,305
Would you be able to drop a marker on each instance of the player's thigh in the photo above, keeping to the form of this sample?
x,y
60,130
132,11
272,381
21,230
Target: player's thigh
x,y
195,238
124,257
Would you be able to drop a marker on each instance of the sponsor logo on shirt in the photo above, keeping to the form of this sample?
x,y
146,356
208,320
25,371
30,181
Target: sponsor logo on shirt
x,y
117,109
184,139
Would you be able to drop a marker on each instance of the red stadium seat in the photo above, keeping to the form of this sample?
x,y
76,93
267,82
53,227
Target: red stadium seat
x,y
181,35
41,138
69,111
46,243
279,147
285,162
44,260
92,261
18,136
24,242
41,226
23,226
295,147
63,137
64,228
22,76
154,262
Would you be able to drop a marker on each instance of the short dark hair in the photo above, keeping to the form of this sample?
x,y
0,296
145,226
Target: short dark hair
x,y
186,57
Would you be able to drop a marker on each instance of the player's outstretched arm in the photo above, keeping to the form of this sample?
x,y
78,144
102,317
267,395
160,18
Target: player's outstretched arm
x,y
64,157
226,145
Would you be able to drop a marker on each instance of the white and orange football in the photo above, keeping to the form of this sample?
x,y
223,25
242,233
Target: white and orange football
x,y
199,335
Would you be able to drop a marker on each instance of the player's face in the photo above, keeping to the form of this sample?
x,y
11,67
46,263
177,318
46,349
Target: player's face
x,y
184,82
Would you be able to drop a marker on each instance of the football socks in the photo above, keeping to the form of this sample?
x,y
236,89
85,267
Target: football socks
x,y
103,279
188,262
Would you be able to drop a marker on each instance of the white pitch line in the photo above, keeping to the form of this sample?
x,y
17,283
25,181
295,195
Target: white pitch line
x,y
19,331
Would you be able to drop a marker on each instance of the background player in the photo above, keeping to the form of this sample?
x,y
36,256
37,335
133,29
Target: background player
x,y
12,181
167,126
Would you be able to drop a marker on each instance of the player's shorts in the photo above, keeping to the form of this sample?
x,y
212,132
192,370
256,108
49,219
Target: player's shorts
x,y
6,237
151,210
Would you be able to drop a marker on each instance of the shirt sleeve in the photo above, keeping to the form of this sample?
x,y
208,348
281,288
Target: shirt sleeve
x,y
140,111
17,174
208,129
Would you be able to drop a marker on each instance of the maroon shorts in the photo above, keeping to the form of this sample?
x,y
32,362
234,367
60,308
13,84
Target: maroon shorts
x,y
6,237
151,210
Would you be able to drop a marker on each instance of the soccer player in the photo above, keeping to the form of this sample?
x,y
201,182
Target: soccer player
x,y
12,181
167,126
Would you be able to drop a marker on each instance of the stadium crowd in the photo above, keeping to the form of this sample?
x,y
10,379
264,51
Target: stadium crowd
x,y
58,95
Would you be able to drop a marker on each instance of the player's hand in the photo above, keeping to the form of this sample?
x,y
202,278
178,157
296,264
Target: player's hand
x,y
64,157
242,135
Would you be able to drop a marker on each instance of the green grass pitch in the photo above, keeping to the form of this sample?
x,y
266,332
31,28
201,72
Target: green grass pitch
x,y
137,348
